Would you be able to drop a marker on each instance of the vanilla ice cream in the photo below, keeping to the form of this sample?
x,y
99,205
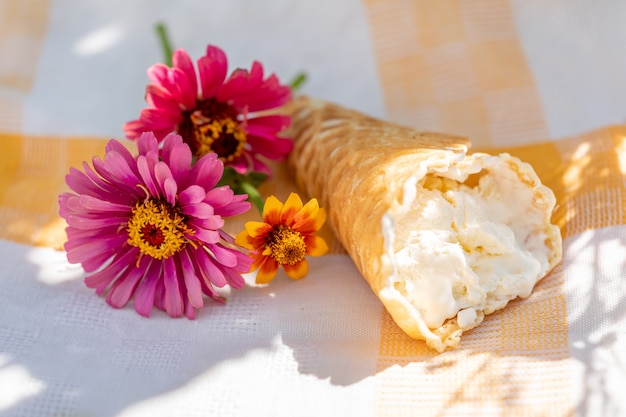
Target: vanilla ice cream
x,y
463,243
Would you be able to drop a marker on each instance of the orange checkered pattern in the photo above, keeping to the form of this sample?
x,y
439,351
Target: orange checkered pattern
x,y
446,65
22,29
456,67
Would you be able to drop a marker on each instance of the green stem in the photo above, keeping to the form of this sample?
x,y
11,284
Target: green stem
x,y
298,80
166,46
253,195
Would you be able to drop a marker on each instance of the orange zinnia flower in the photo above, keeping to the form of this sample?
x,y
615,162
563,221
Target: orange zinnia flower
x,y
284,237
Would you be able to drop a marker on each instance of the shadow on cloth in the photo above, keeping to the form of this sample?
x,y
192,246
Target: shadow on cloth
x,y
73,353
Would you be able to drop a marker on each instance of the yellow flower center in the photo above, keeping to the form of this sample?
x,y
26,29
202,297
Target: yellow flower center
x,y
222,136
286,246
157,229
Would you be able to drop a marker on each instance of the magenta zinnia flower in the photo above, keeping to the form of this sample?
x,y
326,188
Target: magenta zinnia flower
x,y
150,226
215,114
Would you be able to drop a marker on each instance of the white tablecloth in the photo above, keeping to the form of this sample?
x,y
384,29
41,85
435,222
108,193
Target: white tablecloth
x,y
544,78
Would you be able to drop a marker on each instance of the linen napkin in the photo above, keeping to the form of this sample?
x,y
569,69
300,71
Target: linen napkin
x,y
541,80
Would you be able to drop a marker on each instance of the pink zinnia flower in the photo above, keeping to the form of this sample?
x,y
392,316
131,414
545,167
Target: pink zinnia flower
x,y
215,114
150,226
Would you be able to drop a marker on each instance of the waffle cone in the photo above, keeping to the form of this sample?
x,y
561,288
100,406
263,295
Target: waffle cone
x,y
442,237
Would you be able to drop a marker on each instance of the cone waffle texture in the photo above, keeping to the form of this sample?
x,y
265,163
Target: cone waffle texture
x,y
443,237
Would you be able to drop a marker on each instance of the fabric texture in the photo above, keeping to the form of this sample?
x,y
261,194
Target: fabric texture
x,y
541,80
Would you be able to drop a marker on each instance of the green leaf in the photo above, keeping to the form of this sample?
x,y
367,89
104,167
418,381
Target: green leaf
x,y
256,178
245,184
253,195
164,40
298,80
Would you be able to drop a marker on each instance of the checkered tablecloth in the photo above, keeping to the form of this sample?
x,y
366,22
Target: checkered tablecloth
x,y
544,80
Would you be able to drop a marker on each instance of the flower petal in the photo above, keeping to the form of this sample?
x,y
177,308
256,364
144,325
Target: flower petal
x,y
260,166
186,77
292,206
175,82
267,124
310,219
159,98
182,61
315,245
192,282
81,183
251,82
270,146
207,171
205,236
233,85
184,88
117,147
173,299
297,271
223,255
212,71
212,223
134,129
207,269
267,271
147,143
125,286
146,175
170,188
249,91
86,222
144,295
101,279
154,119
235,280
268,95
241,164
177,156
243,262
243,239
191,195
272,211
162,173
96,261
199,210
81,252
157,73
238,205
118,171
258,229
190,311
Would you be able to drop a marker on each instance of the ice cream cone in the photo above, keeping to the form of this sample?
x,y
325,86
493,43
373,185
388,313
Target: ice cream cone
x,y
443,237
